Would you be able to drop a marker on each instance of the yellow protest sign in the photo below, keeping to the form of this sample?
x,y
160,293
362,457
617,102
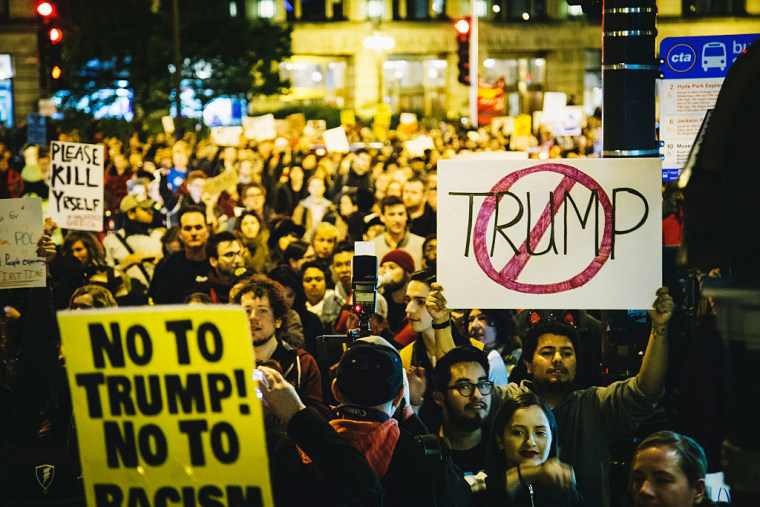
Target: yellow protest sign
x,y
522,125
347,117
165,406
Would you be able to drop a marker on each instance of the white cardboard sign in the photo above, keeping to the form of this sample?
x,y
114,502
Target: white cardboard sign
x,y
580,233
20,229
336,140
259,128
76,185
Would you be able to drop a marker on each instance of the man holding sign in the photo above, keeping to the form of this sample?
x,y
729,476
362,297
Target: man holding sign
x,y
588,420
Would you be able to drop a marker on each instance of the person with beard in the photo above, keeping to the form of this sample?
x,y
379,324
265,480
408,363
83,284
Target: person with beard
x,y
422,218
265,305
225,255
136,247
396,268
462,391
590,420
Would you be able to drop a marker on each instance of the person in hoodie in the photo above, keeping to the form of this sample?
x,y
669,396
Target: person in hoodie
x,y
369,388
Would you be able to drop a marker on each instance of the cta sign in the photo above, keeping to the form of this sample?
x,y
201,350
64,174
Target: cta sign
x,y
702,57
693,70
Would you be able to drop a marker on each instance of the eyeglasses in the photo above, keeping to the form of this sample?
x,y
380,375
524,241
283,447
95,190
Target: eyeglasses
x,y
466,389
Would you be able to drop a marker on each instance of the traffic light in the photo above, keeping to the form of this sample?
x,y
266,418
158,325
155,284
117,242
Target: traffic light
x,y
49,38
462,27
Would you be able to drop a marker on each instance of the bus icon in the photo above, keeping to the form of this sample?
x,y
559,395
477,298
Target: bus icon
x,y
714,55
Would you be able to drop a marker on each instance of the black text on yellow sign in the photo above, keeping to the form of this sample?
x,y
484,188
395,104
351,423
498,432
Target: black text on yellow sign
x,y
170,398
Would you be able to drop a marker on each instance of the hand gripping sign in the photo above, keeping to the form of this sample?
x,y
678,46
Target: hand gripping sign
x,y
567,234
165,405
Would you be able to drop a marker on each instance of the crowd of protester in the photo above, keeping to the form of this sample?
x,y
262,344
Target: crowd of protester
x,y
518,395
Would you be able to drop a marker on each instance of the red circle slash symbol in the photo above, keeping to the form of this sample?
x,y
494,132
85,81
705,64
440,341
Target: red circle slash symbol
x,y
507,276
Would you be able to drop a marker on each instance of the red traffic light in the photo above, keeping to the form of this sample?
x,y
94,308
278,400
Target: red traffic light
x,y
55,35
45,9
462,26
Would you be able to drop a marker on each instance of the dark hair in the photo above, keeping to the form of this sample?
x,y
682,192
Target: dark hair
x,y
461,354
426,276
548,326
344,246
503,320
245,188
391,200
213,244
295,251
92,244
417,179
691,457
190,208
261,285
496,461
247,213
288,277
171,234
320,266
101,297
199,297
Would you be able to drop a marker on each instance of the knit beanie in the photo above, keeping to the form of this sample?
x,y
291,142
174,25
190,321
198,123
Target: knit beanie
x,y
401,258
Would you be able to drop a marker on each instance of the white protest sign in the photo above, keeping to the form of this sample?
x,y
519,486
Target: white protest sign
x,y
76,185
417,146
259,127
336,140
554,106
583,233
226,136
20,228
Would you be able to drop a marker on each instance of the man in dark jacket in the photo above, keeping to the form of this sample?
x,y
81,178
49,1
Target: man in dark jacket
x,y
369,387
264,303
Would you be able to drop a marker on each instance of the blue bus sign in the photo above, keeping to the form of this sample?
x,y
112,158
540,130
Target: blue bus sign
x,y
706,56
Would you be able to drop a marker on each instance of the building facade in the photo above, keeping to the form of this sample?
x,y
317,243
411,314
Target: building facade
x,y
354,54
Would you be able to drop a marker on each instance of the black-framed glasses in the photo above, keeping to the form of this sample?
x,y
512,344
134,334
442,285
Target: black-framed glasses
x,y
466,389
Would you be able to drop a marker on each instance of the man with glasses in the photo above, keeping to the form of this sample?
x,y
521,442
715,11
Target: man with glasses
x,y
463,392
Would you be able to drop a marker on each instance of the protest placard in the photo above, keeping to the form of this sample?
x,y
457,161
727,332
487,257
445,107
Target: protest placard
x,y
76,185
336,140
226,136
221,182
416,147
166,407
583,233
20,229
259,128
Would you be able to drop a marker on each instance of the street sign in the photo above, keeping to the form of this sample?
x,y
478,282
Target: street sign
x,y
693,70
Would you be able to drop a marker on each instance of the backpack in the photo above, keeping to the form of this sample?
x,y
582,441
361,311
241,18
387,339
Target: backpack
x,y
447,484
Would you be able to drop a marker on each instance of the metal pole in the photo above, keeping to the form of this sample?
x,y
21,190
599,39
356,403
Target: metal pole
x,y
629,71
473,65
177,63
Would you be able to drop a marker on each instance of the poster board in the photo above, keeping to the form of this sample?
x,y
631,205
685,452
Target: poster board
x,y
336,140
20,229
76,185
594,226
226,136
259,128
221,182
187,424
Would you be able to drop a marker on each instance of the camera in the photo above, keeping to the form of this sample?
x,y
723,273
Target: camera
x,y
364,295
